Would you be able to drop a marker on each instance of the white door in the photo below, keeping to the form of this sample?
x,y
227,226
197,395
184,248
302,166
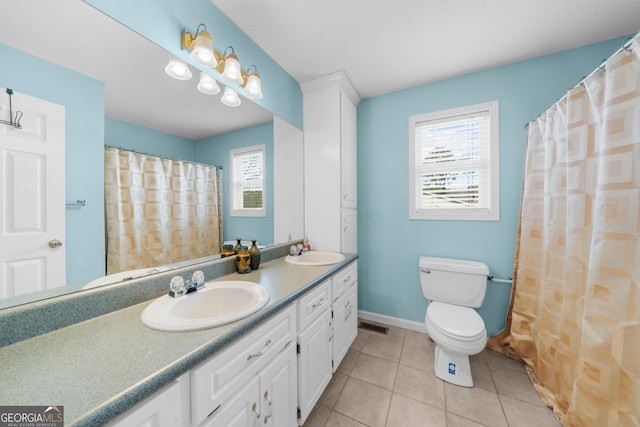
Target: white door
x,y
314,363
32,206
349,231
345,324
241,410
278,390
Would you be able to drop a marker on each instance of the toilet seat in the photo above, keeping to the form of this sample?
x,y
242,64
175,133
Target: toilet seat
x,y
457,322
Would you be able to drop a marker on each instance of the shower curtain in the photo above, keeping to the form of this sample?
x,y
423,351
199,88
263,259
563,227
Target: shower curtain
x,y
575,317
159,211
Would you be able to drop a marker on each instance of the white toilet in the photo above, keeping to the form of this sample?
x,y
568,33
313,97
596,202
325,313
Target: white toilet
x,y
453,287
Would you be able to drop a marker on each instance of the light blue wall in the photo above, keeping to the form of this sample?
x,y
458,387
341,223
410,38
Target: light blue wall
x,y
389,243
83,99
162,22
118,133
215,151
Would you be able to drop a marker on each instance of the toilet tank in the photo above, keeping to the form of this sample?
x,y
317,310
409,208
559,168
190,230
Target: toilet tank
x,y
453,281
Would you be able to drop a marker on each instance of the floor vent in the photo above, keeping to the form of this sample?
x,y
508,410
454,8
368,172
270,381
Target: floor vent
x,y
371,327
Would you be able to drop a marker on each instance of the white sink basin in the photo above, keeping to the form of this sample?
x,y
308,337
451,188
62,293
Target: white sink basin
x,y
218,303
315,258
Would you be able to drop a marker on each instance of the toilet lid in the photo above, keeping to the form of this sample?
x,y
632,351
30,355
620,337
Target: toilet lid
x,y
463,322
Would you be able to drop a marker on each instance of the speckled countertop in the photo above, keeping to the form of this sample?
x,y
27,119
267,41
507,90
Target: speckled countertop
x,y
101,367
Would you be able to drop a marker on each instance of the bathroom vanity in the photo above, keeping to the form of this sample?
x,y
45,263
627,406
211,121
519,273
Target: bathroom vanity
x,y
270,367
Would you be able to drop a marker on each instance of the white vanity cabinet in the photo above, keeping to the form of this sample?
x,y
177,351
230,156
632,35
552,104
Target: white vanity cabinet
x,y
272,376
168,407
269,399
345,311
330,162
327,326
314,347
239,383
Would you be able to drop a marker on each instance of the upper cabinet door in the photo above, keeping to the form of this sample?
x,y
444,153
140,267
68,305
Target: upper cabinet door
x,y
348,151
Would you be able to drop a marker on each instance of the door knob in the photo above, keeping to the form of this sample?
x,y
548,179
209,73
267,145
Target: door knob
x,y
55,243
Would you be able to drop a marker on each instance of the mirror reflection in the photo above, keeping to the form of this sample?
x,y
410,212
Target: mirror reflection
x,y
115,92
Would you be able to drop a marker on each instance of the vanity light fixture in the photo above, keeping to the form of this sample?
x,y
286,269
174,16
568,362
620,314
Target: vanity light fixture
x,y
178,70
200,45
230,98
252,83
207,84
231,70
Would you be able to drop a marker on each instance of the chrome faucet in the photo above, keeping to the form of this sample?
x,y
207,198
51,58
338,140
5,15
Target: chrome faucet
x,y
179,287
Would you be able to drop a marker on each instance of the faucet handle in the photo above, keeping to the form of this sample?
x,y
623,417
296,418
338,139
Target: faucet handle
x,y
197,278
177,285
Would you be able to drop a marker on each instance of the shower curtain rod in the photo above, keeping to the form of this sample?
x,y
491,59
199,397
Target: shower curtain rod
x,y
626,45
131,150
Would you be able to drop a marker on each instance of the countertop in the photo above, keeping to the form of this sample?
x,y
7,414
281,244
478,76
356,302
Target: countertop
x,y
102,367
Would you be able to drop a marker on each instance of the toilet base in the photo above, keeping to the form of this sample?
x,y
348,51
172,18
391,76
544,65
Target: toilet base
x,y
453,367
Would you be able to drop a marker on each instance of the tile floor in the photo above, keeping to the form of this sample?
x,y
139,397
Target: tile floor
x,y
388,381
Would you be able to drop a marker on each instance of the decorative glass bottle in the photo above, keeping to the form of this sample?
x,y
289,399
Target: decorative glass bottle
x,y
243,260
237,246
227,250
254,251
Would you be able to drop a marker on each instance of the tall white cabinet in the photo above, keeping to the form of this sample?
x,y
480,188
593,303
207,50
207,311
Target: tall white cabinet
x,y
330,163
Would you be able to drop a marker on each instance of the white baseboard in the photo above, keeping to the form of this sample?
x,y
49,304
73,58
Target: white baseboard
x,y
392,321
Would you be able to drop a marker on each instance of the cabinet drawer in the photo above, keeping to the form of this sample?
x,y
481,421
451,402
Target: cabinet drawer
x,y
344,278
313,304
225,373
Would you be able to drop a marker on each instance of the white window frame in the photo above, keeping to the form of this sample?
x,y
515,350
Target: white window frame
x,y
492,190
236,183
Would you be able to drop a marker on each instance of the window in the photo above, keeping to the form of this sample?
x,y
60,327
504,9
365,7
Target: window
x,y
455,164
247,182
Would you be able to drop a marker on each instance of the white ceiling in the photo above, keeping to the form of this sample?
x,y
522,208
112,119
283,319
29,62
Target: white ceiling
x,y
388,45
75,35
382,45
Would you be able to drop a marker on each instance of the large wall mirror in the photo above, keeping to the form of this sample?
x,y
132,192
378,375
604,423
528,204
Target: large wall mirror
x,y
112,84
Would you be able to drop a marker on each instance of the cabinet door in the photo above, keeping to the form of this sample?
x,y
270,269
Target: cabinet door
x,y
314,363
241,410
349,231
348,152
345,324
278,390
167,408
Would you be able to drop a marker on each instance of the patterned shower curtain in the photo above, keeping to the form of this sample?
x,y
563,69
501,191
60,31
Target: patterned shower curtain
x,y
575,316
159,211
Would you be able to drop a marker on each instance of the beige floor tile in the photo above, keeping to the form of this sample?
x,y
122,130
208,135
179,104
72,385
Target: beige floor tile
x,y
454,420
338,420
482,376
419,385
523,414
361,340
349,361
475,404
384,347
318,416
408,412
376,371
418,358
498,360
516,385
364,402
333,390
416,338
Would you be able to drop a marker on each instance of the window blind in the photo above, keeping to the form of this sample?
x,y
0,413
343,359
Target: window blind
x,y
248,180
452,161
